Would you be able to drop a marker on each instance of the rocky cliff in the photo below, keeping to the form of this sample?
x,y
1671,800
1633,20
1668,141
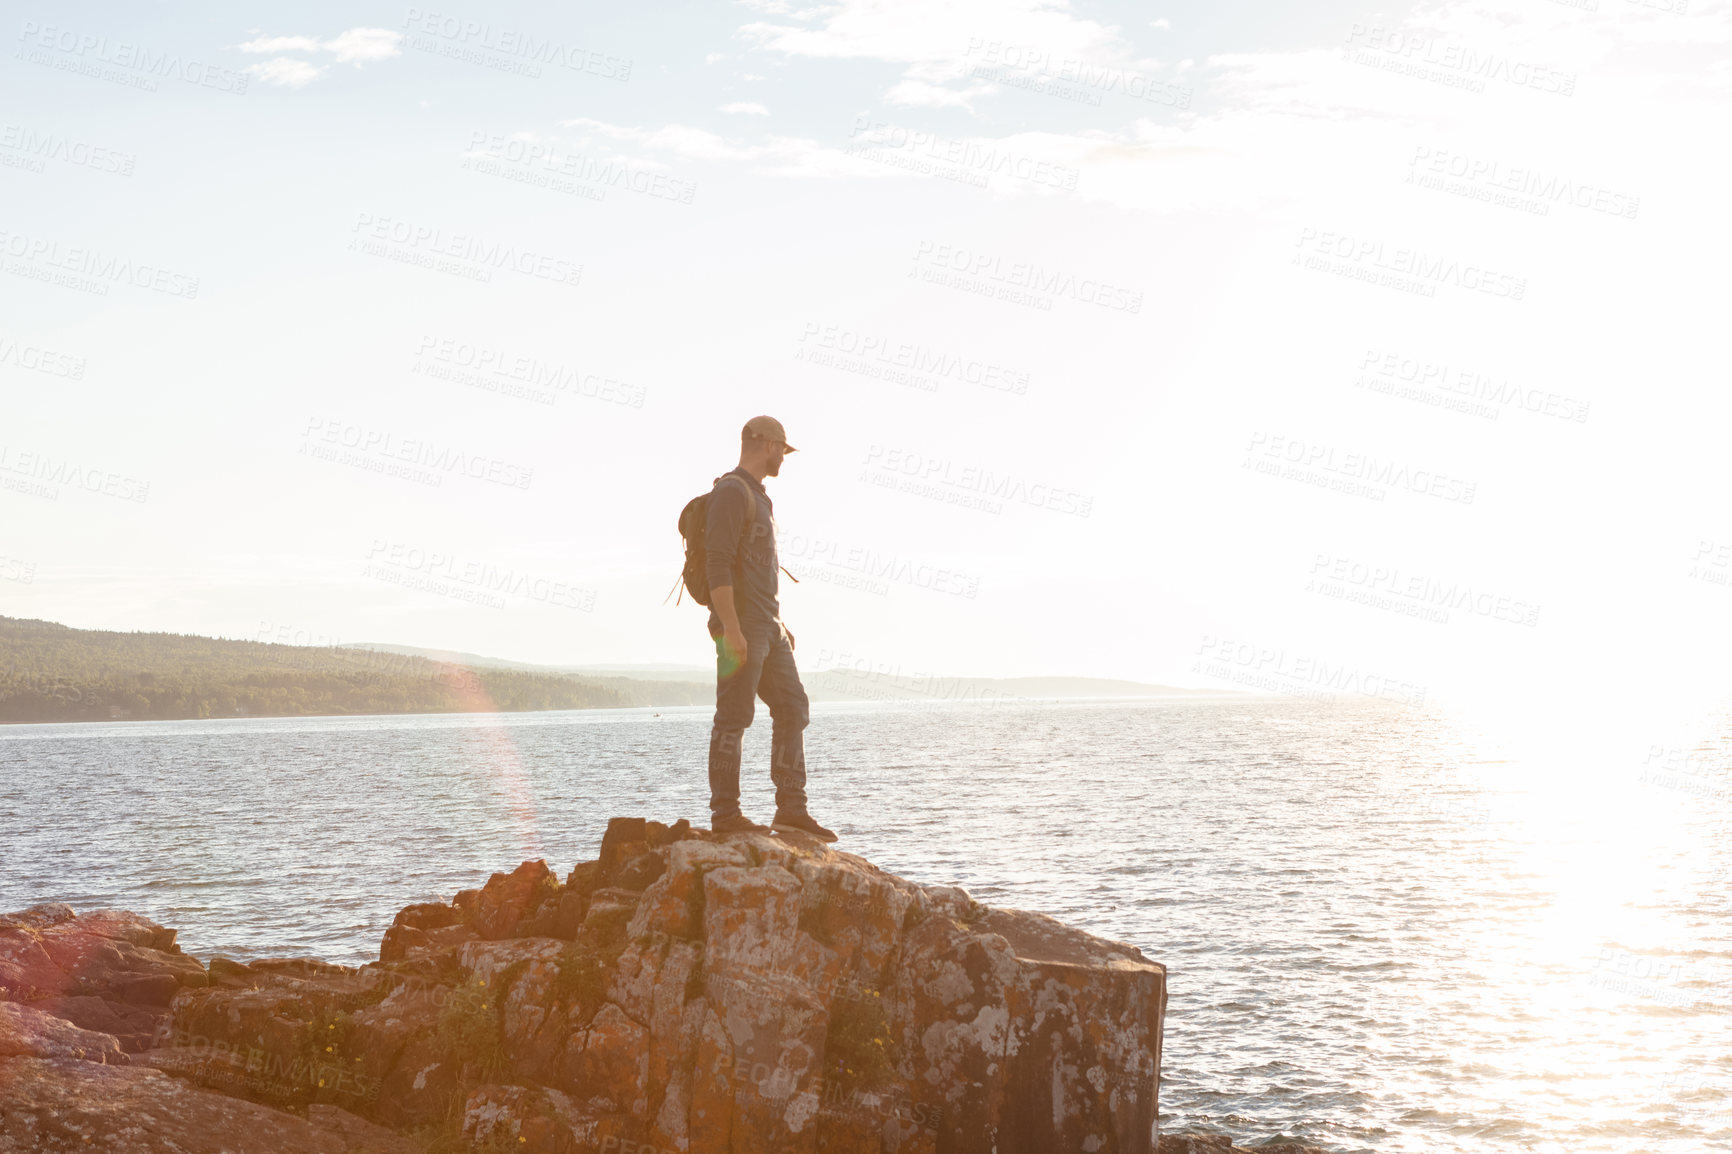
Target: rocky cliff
x,y
683,992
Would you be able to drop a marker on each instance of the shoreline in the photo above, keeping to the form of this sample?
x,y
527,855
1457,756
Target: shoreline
x,y
1199,697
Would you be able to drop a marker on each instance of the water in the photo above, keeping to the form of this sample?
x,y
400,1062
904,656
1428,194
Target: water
x,y
1382,933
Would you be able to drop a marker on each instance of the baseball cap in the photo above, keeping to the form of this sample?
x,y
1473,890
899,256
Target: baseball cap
x,y
768,429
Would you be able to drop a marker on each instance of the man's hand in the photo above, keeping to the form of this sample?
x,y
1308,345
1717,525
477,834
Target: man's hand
x,y
734,643
733,637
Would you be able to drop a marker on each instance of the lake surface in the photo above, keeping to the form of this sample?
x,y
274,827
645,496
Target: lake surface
x,y
1382,933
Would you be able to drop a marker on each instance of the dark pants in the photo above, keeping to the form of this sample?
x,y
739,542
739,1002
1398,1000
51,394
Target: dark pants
x,y
768,673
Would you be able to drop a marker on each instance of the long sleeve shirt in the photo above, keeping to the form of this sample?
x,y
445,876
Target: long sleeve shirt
x,y
741,555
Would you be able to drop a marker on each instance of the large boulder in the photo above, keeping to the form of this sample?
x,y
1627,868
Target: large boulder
x,y
106,970
278,1031
64,1104
28,1032
693,993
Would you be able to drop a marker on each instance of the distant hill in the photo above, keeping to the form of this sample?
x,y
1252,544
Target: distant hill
x,y
51,672
848,685
475,660
856,685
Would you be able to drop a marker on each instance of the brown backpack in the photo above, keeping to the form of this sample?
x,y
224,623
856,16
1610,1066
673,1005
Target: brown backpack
x,y
694,522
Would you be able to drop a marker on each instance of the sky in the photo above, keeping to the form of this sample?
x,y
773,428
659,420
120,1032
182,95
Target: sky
x,y
1237,345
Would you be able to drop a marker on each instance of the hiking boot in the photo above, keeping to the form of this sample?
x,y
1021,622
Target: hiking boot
x,y
735,823
801,823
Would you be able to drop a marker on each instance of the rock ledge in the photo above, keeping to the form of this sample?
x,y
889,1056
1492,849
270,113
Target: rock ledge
x,y
683,992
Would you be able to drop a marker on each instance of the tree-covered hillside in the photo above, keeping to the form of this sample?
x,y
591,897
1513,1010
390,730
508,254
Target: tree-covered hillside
x,y
50,672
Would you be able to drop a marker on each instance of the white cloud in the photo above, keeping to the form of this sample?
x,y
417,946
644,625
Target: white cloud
x,y
916,31
356,46
1314,127
940,46
681,140
1613,24
287,72
776,156
920,94
745,108
362,45
280,44
1283,128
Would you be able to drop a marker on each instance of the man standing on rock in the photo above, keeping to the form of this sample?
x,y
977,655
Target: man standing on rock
x,y
754,650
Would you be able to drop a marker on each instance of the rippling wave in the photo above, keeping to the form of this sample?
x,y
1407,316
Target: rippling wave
x,y
1380,935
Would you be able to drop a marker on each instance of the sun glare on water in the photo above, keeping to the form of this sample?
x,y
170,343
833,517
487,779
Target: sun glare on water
x,y
1605,861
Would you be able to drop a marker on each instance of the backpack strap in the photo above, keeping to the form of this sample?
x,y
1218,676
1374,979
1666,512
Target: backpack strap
x,y
751,513
751,501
